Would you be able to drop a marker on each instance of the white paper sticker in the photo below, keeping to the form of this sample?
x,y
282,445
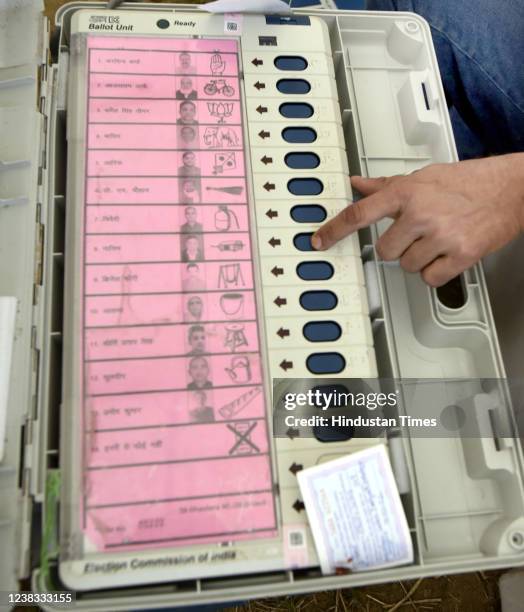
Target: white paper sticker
x,y
233,23
355,512
295,546
247,6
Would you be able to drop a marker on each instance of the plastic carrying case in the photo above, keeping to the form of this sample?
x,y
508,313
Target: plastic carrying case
x,y
464,498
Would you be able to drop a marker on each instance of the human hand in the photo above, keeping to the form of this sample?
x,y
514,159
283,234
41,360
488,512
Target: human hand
x,y
446,216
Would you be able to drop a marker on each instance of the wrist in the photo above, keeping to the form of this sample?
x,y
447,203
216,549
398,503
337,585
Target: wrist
x,y
515,184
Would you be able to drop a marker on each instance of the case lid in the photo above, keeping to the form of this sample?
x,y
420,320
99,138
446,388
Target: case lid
x,y
22,70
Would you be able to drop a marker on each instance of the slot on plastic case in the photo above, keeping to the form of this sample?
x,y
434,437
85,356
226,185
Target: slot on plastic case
x,y
267,41
21,462
453,295
59,225
418,106
54,394
57,310
302,20
60,155
425,94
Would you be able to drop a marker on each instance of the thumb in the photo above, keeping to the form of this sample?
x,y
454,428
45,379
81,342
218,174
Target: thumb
x,y
369,186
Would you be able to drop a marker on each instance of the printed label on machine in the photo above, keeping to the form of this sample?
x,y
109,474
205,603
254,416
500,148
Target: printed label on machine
x,y
176,438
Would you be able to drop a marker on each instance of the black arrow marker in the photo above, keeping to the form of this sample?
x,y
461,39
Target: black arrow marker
x,y
263,134
261,109
299,505
286,365
274,242
296,467
269,186
277,271
266,160
260,85
279,301
271,213
257,62
292,433
283,332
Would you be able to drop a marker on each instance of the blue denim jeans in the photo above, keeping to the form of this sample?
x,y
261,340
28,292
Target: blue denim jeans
x,y
480,50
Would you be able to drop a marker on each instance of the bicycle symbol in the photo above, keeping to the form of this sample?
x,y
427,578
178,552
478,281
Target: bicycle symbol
x,y
218,86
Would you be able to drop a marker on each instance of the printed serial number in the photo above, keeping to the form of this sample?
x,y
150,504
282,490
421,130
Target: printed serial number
x,y
28,598
151,523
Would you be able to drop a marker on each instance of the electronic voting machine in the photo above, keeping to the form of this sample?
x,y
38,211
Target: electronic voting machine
x,y
157,277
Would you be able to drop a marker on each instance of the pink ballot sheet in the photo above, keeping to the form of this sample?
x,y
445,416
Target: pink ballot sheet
x,y
176,437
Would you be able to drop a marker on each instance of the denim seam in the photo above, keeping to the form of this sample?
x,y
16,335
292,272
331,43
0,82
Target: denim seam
x,y
480,67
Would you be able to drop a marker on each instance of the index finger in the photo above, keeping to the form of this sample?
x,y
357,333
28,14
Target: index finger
x,y
359,214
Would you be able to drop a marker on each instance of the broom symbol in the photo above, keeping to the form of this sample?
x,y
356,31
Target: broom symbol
x,y
228,190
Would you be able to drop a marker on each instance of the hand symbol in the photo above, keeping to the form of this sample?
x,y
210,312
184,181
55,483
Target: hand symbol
x,y
218,65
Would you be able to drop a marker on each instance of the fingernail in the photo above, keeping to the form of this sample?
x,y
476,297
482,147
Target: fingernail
x,y
316,242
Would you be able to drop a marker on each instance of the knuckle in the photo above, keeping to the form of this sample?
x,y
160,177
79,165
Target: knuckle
x,y
418,221
465,253
353,214
416,215
380,249
431,173
431,170
400,187
410,216
408,192
417,193
433,277
392,180
327,233
384,250
422,213
408,263
441,235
